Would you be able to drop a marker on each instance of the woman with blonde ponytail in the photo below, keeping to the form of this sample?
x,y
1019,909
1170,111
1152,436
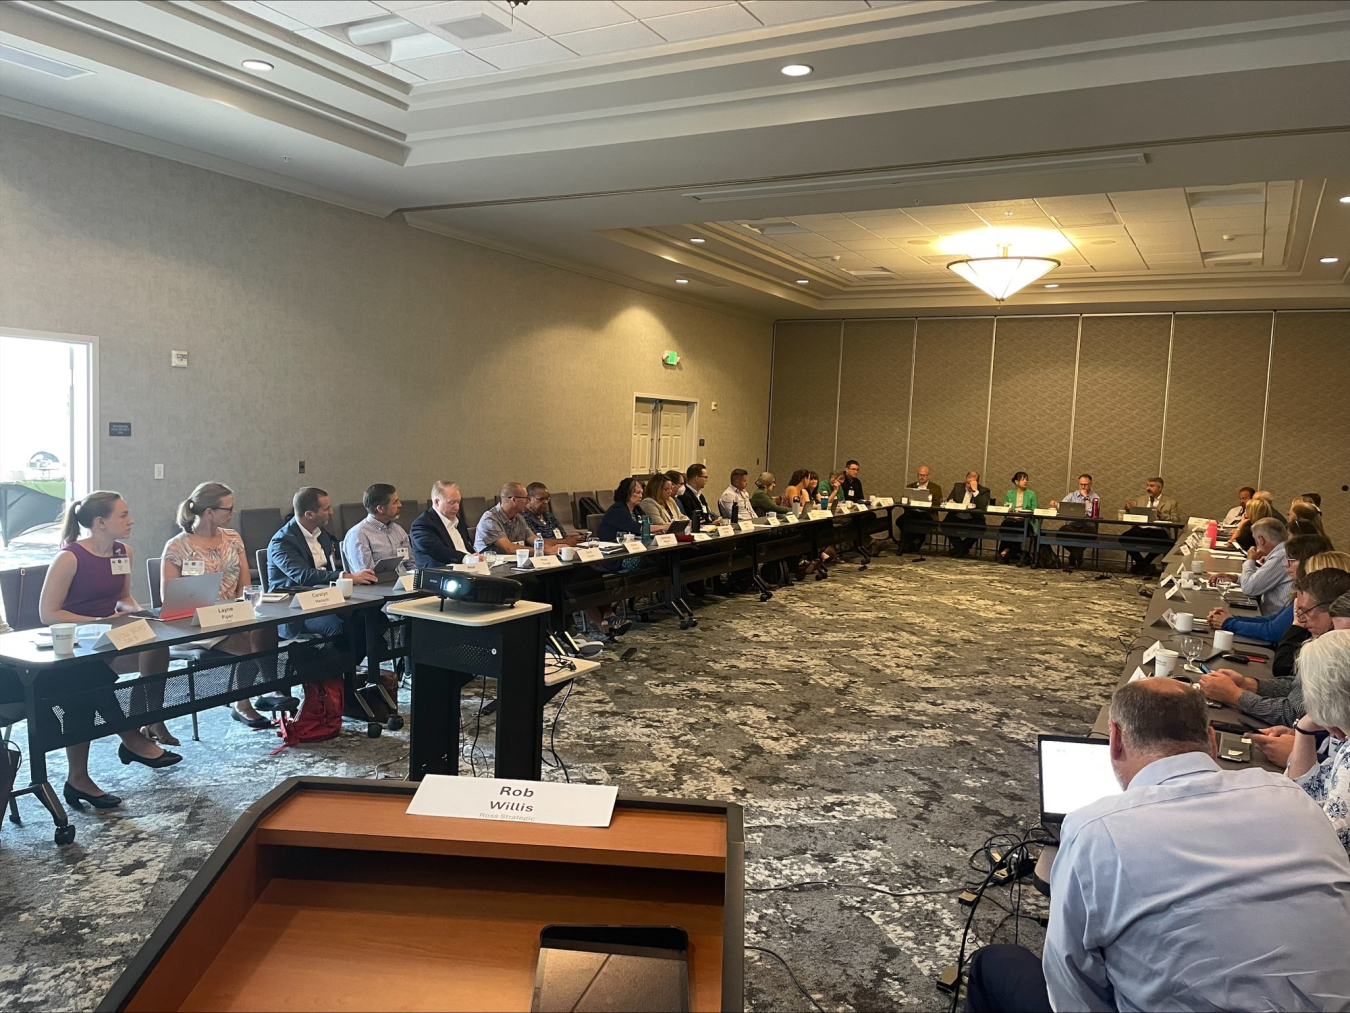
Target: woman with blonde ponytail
x,y
205,545
90,581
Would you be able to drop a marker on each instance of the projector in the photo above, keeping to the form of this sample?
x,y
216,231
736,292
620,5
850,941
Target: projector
x,y
468,588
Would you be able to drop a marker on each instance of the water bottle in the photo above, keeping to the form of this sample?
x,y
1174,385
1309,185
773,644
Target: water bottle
x,y
824,501
539,544
1212,533
646,530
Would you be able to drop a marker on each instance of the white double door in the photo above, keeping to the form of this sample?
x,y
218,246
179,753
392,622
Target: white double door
x,y
660,435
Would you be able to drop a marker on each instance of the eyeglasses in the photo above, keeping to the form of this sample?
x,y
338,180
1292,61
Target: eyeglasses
x,y
518,497
1301,613
222,510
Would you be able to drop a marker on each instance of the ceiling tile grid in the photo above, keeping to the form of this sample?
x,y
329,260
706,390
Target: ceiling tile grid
x,y
503,38
1175,231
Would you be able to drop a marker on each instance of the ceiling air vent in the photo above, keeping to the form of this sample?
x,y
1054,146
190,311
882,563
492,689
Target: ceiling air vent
x,y
1231,259
780,229
872,274
1083,221
1227,196
42,64
479,26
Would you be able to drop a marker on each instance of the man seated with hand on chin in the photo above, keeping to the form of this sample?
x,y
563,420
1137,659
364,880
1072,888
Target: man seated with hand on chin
x,y
1263,574
502,528
1143,917
439,535
974,498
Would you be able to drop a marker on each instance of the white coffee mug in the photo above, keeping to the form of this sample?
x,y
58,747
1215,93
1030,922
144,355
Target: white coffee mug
x,y
344,586
568,553
1223,640
1164,662
522,558
63,639
1185,622
1197,566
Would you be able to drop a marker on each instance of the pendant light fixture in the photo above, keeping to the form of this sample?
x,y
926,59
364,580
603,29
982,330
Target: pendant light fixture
x,y
1003,275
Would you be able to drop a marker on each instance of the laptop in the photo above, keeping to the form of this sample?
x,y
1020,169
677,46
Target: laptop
x,y
1075,771
677,527
1071,510
920,497
185,595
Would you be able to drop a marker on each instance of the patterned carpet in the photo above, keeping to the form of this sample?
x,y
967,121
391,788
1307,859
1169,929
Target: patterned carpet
x,y
877,727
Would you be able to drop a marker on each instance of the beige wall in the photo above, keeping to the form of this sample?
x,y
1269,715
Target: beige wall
x,y
1117,396
371,350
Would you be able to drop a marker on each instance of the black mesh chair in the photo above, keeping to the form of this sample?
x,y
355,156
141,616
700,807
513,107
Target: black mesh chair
x,y
411,508
472,508
349,516
256,527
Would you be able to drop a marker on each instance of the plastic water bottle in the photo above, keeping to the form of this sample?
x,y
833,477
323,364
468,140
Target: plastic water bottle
x,y
646,530
539,544
1212,533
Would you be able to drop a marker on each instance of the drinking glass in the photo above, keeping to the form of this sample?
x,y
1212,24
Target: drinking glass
x,y
253,595
1191,648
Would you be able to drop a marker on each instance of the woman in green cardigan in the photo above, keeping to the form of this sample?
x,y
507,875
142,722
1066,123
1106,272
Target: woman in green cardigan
x,y
1019,497
763,499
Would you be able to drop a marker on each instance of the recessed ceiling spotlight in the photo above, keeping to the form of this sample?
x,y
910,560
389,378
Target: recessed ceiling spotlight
x,y
797,70
918,242
698,239
803,281
1329,260
681,281
1052,286
1345,199
1007,214
261,65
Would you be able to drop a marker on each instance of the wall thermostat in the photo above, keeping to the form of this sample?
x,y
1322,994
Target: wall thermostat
x,y
177,359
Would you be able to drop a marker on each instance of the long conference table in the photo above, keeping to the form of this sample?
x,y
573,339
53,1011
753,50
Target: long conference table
x,y
73,699
1198,602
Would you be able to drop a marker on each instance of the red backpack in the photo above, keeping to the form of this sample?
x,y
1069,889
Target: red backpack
x,y
320,715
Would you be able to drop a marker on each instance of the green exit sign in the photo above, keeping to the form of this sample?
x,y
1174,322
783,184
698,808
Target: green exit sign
x,y
671,358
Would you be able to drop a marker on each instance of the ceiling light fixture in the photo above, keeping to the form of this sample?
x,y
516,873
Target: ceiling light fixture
x,y
697,239
1003,275
1052,286
260,65
681,281
803,281
797,70
1345,199
1329,260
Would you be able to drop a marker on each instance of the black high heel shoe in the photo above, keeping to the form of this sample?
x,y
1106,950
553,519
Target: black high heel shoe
x,y
165,759
74,798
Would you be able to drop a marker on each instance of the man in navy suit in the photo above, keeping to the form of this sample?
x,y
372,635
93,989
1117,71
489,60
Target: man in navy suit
x,y
439,535
303,555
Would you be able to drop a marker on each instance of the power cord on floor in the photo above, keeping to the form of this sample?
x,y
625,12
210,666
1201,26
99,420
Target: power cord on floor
x,y
853,886
477,727
809,997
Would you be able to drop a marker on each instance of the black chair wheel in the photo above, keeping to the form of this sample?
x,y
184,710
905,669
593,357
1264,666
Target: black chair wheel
x,y
765,596
373,730
395,722
684,624
644,617
693,622
64,835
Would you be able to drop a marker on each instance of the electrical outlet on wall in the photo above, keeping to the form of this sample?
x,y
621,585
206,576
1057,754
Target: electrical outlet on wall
x,y
714,406
302,468
159,471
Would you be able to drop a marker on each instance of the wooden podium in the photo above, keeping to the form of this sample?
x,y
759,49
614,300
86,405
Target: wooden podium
x,y
327,895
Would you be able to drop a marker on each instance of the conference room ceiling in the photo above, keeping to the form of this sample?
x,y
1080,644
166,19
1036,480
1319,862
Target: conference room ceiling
x,y
601,136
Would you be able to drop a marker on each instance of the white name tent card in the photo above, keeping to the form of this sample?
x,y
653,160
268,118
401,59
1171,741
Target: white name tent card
x,y
1171,578
999,509
789,518
666,541
819,515
702,536
772,520
1152,652
589,555
1185,550
225,614
1139,673
1046,512
635,545
1173,591
323,597
405,582
490,798
127,635
1136,518
479,567
545,562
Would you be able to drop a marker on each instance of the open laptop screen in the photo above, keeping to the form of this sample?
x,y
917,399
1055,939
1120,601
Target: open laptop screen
x,y
1075,771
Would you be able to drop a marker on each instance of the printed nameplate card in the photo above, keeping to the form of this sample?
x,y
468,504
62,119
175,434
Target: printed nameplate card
x,y
545,562
405,582
1185,550
127,635
999,509
666,541
589,555
789,518
702,536
1173,591
324,597
819,515
211,616
1136,518
635,545
480,567
489,798
1152,652
772,520
1139,673
745,525
1047,512
1171,578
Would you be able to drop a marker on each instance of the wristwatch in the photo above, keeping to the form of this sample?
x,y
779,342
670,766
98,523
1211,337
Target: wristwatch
x,y
1303,731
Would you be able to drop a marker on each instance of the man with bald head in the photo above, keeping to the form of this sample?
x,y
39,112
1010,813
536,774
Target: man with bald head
x,y
1197,888
916,524
503,529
